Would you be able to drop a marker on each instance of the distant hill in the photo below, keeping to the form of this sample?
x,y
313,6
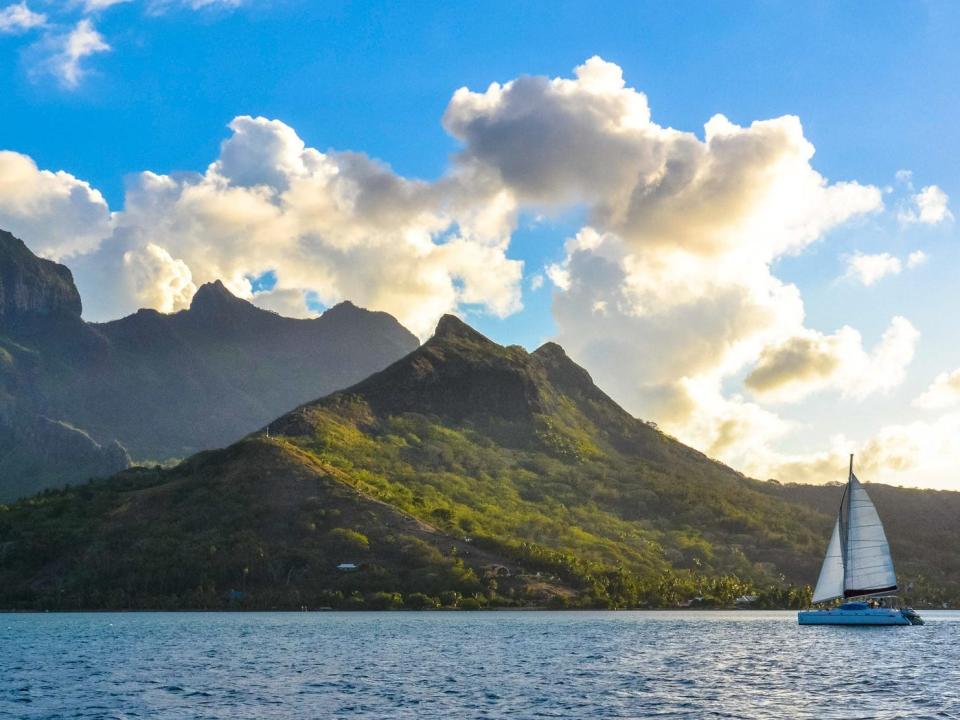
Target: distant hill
x,y
78,399
922,526
466,473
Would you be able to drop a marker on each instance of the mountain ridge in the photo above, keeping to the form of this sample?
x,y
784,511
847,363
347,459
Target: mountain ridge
x,y
463,474
157,386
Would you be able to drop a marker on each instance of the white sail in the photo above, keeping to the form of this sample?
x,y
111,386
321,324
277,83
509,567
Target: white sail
x,y
868,567
830,582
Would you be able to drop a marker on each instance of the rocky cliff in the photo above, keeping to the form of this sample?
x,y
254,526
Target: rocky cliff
x,y
31,286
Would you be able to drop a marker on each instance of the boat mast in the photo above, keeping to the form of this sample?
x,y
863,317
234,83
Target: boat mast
x,y
845,523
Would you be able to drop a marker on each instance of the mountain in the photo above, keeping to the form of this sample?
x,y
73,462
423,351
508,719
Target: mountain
x,y
464,473
78,399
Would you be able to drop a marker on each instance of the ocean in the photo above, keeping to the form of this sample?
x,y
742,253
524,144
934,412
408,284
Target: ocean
x,y
458,665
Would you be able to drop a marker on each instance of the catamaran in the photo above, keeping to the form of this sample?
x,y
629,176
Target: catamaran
x,y
858,568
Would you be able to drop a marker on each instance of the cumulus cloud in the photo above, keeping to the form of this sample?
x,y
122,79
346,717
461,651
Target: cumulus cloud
x,y
683,232
156,279
868,269
929,206
921,454
882,458
943,392
57,214
791,370
18,18
337,225
669,294
812,361
591,140
289,303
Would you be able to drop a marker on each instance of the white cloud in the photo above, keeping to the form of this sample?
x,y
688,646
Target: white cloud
x,y
943,392
162,6
265,152
56,214
682,236
929,207
340,225
536,282
201,4
919,454
68,51
289,303
19,18
61,51
156,279
868,269
916,259
591,140
810,362
91,6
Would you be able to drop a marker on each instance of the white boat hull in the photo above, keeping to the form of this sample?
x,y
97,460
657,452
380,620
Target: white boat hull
x,y
865,616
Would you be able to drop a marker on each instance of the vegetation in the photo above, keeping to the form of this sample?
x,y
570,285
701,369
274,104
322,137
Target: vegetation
x,y
466,475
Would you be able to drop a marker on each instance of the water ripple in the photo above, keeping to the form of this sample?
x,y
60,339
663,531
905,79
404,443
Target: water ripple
x,y
421,666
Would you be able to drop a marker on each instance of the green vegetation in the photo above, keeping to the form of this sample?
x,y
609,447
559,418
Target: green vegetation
x,y
466,475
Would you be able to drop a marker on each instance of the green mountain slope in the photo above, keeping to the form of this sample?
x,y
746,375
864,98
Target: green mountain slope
x,y
464,468
159,386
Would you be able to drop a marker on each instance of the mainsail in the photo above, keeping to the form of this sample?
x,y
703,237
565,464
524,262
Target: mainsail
x,y
858,558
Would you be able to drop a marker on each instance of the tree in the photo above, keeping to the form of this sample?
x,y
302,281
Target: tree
x,y
450,598
384,601
421,601
347,541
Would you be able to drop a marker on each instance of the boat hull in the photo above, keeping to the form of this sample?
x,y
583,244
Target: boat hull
x,y
866,616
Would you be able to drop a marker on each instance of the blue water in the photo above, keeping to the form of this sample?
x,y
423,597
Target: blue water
x,y
473,665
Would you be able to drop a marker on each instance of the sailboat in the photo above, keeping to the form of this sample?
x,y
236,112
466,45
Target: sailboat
x,y
858,568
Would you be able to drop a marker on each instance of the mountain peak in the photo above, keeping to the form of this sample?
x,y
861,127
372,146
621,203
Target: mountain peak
x,y
565,372
450,326
344,308
457,374
33,286
551,351
214,301
212,292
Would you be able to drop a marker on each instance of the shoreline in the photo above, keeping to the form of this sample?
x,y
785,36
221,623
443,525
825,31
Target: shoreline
x,y
421,612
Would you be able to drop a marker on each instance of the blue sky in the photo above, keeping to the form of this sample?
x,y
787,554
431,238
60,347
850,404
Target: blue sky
x,y
378,76
874,91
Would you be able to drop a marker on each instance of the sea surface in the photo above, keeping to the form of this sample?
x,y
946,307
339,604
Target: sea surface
x,y
455,665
